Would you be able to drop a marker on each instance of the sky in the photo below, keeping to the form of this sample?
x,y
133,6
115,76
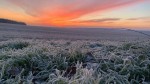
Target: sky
x,y
79,13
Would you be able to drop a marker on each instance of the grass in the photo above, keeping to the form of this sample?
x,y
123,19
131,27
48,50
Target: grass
x,y
16,45
42,62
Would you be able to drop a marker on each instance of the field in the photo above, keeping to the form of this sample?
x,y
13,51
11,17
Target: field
x,y
40,55
8,31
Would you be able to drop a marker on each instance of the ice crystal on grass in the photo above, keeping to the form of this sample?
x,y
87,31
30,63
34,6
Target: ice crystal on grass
x,y
74,62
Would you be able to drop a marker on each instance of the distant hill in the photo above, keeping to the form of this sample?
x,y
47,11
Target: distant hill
x,y
11,21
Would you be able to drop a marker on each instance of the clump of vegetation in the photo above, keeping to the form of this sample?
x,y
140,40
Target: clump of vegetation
x,y
127,46
14,45
35,62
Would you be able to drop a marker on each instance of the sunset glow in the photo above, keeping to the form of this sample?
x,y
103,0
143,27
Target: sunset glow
x,y
87,13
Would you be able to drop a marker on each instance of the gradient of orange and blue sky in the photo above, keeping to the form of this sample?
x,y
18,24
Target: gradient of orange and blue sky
x,y
79,13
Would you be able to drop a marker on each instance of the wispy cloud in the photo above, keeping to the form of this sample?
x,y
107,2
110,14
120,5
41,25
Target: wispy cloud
x,y
102,20
140,18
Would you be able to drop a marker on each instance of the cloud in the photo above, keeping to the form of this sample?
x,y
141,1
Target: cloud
x,y
102,20
140,18
57,11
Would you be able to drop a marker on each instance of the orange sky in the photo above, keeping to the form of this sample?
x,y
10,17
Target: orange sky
x,y
88,13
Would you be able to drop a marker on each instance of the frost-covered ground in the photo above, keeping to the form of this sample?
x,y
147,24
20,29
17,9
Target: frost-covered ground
x,y
41,55
29,61
8,31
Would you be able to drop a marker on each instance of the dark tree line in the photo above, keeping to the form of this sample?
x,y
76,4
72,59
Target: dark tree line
x,y
11,21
